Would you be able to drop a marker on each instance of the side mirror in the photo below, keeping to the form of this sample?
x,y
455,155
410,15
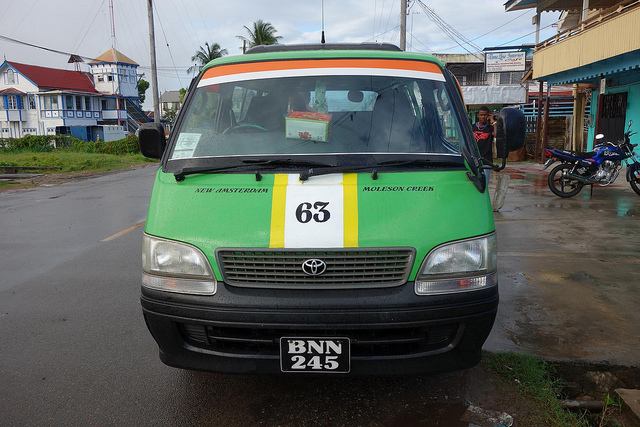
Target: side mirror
x,y
511,131
152,140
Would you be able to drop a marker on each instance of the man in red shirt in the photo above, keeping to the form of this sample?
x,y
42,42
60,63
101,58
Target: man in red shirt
x,y
485,130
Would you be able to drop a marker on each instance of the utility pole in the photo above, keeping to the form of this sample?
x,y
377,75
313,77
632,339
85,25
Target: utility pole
x,y
403,25
116,77
154,71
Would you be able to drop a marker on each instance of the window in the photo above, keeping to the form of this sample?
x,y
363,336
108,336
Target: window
x,y
100,77
87,103
69,102
103,104
10,77
78,103
54,102
12,102
32,101
343,113
109,78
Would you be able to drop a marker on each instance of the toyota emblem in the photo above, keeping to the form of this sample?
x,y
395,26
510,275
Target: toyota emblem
x,y
314,267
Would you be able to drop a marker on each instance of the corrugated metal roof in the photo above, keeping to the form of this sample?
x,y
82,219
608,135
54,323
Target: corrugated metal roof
x,y
53,78
113,56
556,5
11,91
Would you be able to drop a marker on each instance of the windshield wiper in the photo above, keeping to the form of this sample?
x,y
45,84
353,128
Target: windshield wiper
x,y
180,175
285,162
383,164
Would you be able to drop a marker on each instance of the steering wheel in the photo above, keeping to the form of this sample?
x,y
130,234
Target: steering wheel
x,y
244,128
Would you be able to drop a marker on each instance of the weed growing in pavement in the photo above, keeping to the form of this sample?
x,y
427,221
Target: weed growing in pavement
x,y
612,406
534,380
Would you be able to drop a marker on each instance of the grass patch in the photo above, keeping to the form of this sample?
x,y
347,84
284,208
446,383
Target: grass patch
x,y
535,380
71,161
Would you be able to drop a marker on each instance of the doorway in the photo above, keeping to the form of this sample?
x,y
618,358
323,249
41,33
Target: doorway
x,y
612,113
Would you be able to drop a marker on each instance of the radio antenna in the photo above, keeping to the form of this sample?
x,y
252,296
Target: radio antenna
x,y
322,39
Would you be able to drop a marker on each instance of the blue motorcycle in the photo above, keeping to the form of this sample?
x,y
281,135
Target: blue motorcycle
x,y
600,166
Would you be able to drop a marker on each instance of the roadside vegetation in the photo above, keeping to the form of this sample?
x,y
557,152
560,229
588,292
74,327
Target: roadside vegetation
x,y
68,155
537,382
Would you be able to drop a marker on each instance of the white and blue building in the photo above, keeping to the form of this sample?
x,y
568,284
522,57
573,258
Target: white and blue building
x,y
102,103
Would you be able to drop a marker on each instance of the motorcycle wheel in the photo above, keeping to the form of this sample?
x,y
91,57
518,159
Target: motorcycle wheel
x,y
560,184
635,184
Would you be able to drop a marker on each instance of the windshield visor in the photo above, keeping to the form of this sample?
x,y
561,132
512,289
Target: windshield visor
x,y
319,109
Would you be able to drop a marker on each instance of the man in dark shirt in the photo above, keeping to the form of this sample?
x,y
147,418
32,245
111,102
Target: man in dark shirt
x,y
485,130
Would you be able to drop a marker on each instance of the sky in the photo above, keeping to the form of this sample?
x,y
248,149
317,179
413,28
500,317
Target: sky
x,y
84,28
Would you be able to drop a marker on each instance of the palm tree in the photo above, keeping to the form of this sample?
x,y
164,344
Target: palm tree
x,y
262,33
206,54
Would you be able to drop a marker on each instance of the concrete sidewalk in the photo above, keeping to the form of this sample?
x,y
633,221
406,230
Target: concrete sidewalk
x,y
569,271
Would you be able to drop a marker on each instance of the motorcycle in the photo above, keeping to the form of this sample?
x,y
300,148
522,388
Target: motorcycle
x,y
600,166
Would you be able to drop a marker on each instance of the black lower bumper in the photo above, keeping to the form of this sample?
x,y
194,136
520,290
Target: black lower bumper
x,y
392,330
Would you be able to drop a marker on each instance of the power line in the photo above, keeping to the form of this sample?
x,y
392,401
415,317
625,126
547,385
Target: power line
x,y
169,49
449,31
592,6
489,32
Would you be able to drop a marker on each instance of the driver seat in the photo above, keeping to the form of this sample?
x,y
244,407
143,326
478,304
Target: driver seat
x,y
266,112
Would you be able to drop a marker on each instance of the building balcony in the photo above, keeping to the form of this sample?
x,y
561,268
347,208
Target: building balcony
x,y
611,34
13,115
69,114
113,114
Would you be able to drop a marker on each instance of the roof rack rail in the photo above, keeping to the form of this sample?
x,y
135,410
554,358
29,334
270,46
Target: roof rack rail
x,y
323,46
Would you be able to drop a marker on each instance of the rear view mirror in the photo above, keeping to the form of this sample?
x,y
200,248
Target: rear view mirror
x,y
511,131
152,140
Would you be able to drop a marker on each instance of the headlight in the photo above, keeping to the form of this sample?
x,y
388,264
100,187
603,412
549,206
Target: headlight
x,y
459,267
175,267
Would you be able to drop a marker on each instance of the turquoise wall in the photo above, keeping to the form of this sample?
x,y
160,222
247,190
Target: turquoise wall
x,y
633,110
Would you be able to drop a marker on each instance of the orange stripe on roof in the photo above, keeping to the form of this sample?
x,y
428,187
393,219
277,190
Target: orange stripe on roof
x,y
253,67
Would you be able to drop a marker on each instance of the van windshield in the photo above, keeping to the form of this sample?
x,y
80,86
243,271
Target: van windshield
x,y
318,114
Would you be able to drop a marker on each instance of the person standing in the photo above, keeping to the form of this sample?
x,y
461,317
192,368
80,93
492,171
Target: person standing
x,y
484,131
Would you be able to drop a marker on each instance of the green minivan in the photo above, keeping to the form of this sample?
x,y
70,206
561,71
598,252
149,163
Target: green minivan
x,y
322,209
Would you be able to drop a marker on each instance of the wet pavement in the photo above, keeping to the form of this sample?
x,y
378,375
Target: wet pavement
x,y
569,271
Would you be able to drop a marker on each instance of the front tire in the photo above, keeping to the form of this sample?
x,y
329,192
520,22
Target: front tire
x,y
561,185
634,181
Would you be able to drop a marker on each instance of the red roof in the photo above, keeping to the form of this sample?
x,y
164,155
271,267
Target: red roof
x,y
52,78
11,91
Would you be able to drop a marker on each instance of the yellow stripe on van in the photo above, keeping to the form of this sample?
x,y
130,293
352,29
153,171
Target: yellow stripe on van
x,y
350,185
278,204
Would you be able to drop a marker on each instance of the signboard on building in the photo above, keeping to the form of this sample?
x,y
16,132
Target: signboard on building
x,y
503,62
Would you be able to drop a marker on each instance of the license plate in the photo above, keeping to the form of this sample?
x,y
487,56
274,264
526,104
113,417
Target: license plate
x,y
321,355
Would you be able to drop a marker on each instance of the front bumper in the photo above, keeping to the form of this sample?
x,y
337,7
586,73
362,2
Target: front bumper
x,y
392,330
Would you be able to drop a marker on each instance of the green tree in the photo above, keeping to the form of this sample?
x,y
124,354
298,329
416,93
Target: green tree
x,y
262,33
169,114
143,85
206,54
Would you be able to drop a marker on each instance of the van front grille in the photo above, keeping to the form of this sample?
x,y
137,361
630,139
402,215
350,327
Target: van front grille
x,y
370,342
345,268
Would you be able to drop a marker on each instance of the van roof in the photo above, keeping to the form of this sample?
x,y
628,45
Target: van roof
x,y
323,51
323,46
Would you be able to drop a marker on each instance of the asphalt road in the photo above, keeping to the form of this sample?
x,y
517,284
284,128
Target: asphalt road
x,y
74,349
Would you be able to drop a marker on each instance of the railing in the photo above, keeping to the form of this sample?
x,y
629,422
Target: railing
x,y
605,15
68,114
